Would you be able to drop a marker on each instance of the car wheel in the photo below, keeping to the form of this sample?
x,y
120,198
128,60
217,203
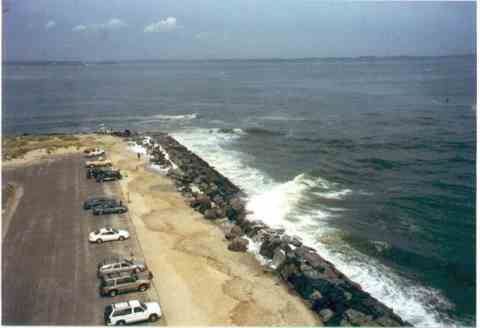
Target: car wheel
x,y
113,293
99,241
121,238
121,323
142,288
153,317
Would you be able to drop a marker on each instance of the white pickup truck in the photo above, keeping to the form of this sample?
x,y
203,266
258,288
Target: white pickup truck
x,y
96,152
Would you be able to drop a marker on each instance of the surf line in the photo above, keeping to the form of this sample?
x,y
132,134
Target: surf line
x,y
337,300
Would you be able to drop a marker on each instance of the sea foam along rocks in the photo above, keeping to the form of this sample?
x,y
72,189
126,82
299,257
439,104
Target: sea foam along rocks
x,y
336,299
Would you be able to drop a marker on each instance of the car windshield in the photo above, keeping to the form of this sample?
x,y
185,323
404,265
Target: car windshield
x,y
143,305
108,311
96,232
114,230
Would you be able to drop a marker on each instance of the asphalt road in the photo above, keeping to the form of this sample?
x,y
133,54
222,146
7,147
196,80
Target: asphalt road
x,y
49,267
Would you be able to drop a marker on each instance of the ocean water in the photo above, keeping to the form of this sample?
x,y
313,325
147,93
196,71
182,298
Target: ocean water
x,y
371,161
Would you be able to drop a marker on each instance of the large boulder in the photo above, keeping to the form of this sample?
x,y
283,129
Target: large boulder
x,y
353,317
238,245
210,214
279,258
235,232
326,315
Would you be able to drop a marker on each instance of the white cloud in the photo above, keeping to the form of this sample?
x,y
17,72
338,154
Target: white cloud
x,y
79,28
112,24
163,25
50,24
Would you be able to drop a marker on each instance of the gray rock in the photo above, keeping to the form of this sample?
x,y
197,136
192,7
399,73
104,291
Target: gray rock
x,y
210,214
279,259
234,232
288,270
386,321
326,314
238,245
357,318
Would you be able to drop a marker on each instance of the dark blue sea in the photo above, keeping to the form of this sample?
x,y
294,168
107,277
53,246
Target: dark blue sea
x,y
369,160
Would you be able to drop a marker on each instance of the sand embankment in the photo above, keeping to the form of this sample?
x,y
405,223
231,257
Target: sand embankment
x,y
199,281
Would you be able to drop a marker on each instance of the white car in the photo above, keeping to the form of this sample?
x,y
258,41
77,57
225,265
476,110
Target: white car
x,y
96,152
122,313
107,234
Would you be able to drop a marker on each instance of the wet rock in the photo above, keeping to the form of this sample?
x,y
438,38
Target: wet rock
x,y
238,245
210,214
288,271
385,321
326,315
279,259
236,204
357,318
235,231
220,212
269,246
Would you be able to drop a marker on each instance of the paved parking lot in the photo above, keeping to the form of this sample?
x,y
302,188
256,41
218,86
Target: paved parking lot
x,y
48,265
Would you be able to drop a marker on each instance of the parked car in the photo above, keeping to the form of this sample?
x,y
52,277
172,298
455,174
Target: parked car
x,y
98,201
107,234
93,172
88,150
108,175
96,152
110,208
113,284
116,264
131,311
98,163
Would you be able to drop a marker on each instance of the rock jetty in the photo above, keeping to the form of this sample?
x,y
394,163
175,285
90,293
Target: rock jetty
x,y
337,300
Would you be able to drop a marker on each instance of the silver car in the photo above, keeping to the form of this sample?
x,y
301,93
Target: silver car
x,y
117,264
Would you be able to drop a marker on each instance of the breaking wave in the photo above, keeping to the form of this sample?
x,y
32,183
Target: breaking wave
x,y
289,205
191,116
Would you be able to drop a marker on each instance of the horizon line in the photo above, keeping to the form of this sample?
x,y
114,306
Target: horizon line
x,y
113,61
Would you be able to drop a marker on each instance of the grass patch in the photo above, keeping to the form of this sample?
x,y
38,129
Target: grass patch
x,y
17,147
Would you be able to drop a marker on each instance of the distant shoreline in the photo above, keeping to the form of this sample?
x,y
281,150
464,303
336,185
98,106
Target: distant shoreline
x,y
151,61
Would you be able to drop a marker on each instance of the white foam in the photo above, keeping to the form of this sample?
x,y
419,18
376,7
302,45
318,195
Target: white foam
x,y
191,116
137,149
334,194
279,205
160,169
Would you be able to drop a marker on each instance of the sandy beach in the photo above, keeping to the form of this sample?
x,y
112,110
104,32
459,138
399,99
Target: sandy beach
x,y
199,281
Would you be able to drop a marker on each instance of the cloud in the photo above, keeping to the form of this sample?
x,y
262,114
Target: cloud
x,y
112,24
79,28
50,24
163,25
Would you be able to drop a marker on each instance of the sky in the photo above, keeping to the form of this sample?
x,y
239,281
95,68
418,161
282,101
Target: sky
x,y
98,30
